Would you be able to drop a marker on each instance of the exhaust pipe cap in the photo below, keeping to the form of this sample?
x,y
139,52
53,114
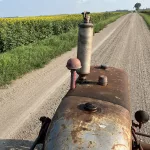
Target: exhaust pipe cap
x,y
73,64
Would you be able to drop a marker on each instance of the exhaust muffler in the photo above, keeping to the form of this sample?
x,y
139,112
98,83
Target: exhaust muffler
x,y
85,39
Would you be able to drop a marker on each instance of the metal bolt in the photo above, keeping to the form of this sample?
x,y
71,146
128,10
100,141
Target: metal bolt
x,y
104,67
102,80
90,107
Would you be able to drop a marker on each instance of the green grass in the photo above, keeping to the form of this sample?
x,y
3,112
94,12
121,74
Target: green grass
x,y
99,26
18,61
23,59
146,17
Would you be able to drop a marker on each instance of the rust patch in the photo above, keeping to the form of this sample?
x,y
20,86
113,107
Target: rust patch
x,y
115,92
119,147
91,144
75,135
85,129
126,135
145,146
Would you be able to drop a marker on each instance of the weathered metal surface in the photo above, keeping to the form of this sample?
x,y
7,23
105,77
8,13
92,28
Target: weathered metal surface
x,y
90,107
75,128
145,146
86,17
73,80
73,64
85,38
106,127
103,80
115,92
87,25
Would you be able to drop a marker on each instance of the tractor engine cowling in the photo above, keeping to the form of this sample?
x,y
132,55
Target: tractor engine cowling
x,y
95,115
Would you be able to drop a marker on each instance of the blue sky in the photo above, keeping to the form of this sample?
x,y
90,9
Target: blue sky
x,y
9,8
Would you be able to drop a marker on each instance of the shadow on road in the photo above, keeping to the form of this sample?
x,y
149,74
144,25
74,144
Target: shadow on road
x,y
11,144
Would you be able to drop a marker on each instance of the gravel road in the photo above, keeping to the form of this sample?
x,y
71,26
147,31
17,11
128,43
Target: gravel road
x,y
124,44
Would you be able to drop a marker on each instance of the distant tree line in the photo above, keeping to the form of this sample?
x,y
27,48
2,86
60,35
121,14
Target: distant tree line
x,y
122,10
119,11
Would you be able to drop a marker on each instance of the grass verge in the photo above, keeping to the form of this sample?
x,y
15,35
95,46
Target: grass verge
x,y
17,62
146,17
99,26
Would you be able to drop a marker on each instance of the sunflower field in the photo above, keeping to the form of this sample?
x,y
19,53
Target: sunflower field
x,y
19,31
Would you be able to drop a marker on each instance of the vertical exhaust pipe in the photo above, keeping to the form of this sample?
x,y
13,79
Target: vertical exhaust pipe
x,y
85,39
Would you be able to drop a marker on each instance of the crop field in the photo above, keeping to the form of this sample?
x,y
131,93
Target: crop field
x,y
31,42
22,31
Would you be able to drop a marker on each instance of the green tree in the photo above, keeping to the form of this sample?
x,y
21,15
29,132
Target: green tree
x,y
137,6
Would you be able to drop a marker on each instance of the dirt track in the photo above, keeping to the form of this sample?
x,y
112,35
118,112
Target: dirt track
x,y
124,44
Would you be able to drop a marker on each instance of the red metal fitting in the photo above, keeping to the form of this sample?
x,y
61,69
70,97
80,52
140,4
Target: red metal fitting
x,y
73,64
